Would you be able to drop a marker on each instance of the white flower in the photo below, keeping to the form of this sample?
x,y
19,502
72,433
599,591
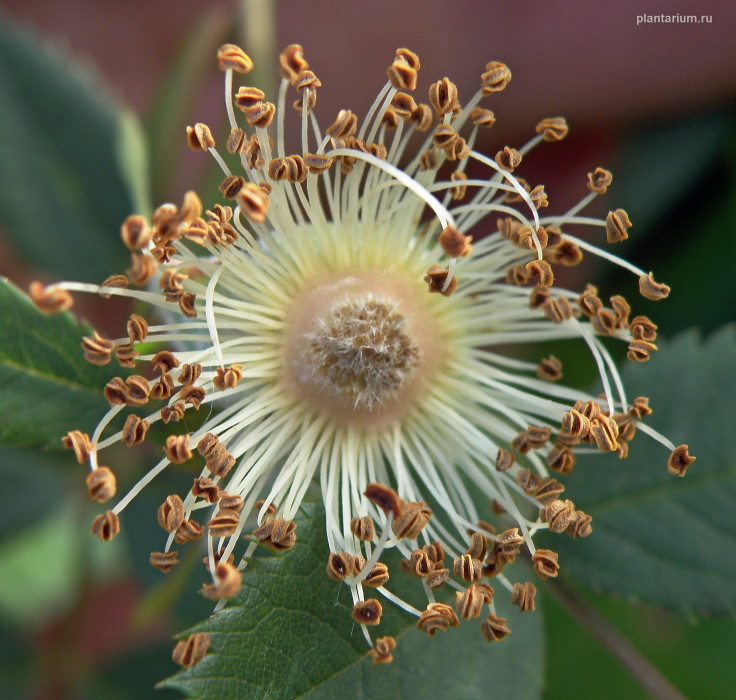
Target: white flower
x,y
340,326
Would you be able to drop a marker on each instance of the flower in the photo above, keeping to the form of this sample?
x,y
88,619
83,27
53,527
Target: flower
x,y
336,322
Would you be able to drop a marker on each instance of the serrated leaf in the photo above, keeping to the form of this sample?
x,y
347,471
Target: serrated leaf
x,y
290,635
663,539
46,386
60,180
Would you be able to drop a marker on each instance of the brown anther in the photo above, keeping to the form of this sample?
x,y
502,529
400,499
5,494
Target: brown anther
x,y
580,526
507,545
494,628
617,225
564,253
589,302
220,461
231,501
114,282
97,350
367,612
340,565
50,300
421,117
522,595
177,448
224,524
445,137
679,460
437,618
163,253
550,369
385,498
134,430
428,160
363,528
418,564
344,126
218,557
232,57
496,77
317,163
548,490
101,484
292,62
188,531
271,510
643,329
482,117
508,159
467,568
604,432
193,395
163,388
414,516
626,426
443,97
164,362
135,232
576,423
174,413
192,650
539,197
545,564
228,378
517,275
454,243
650,289
277,533
191,207
164,561
557,309
307,80
436,278
558,514
381,653
524,237
377,576
493,566
497,508
227,583
171,513
470,602
79,442
621,309
478,545
435,552
237,142
260,115
205,488
459,177
640,350
230,186
552,128
604,322
504,459
403,105
622,449
207,445
115,391
253,202
437,578
528,480
137,327
390,120
402,73
106,526
187,304
531,439
540,273
189,373
599,180
640,407
137,390
199,137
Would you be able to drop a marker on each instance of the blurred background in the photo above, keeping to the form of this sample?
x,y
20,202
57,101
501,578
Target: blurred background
x,y
653,102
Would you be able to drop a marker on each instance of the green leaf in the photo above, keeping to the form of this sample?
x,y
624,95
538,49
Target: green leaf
x,y
46,386
290,635
656,537
60,180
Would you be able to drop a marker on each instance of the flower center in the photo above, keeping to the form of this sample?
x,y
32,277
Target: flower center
x,y
361,347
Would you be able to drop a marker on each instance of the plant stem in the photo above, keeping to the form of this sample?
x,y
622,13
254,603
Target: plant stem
x,y
615,643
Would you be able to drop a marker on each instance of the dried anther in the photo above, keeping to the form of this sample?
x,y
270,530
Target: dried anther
x,y
192,650
177,448
224,524
437,618
494,628
599,180
340,565
679,461
232,57
617,225
522,595
171,513
381,653
545,564
188,531
106,526
436,279
552,128
470,602
367,612
385,498
454,243
363,528
467,568
412,519
97,350
650,289
50,300
79,442
164,561
495,78
277,533
227,582
559,515
508,159
199,137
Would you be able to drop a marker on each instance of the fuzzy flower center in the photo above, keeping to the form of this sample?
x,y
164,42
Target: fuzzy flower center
x,y
362,347
361,352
